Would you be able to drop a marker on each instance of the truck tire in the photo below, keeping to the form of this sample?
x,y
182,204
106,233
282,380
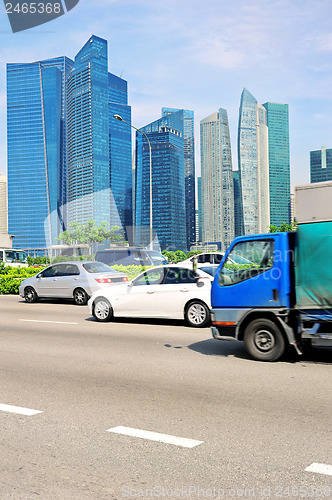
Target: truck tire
x,y
264,340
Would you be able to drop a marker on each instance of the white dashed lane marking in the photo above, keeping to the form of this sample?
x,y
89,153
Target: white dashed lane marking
x,y
19,410
320,469
54,322
155,436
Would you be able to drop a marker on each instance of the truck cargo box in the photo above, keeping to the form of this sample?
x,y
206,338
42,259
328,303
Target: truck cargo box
x,y
313,266
313,202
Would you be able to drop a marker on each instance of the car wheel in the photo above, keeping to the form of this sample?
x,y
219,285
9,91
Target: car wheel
x,y
102,309
197,314
80,297
264,340
30,295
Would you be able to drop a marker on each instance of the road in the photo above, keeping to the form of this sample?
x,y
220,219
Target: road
x,y
256,427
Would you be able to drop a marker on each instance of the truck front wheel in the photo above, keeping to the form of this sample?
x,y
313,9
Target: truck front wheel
x,y
264,340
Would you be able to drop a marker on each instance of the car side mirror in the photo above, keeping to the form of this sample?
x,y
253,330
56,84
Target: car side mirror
x,y
200,283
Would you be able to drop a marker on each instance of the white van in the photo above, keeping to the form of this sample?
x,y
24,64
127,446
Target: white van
x,y
13,257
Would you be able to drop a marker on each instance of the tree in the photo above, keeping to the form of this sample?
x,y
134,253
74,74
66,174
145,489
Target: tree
x,y
89,233
283,228
174,257
193,252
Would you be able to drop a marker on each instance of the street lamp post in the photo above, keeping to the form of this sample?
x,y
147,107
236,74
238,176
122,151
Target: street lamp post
x,y
118,117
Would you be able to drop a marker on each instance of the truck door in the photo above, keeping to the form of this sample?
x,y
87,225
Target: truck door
x,y
250,276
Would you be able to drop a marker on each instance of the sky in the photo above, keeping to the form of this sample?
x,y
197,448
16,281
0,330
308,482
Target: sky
x,y
200,55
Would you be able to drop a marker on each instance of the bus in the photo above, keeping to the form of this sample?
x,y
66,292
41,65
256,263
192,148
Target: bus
x,y
13,257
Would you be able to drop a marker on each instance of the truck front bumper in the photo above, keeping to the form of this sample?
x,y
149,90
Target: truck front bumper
x,y
223,335
225,323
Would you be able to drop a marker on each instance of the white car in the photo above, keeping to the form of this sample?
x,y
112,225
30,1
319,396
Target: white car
x,y
171,291
70,280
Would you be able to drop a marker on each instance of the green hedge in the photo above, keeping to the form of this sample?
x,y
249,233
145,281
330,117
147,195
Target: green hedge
x,y
12,277
131,271
44,261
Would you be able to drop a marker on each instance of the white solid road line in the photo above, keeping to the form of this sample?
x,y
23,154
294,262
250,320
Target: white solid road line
x,y
155,436
320,469
19,409
53,322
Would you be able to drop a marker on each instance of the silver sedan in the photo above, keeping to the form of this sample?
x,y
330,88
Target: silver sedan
x,y
76,280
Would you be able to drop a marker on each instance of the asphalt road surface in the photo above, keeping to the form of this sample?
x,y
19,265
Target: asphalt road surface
x,y
154,409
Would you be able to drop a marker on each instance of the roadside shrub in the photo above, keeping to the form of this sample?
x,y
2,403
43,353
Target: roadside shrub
x,y
131,271
20,272
38,261
65,258
45,261
10,285
12,277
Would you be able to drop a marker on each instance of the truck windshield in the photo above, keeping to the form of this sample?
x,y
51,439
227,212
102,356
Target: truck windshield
x,y
246,260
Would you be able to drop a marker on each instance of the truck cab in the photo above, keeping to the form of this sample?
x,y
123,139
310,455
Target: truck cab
x,y
253,294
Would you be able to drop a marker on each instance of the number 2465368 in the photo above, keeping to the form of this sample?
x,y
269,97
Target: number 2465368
x,y
33,8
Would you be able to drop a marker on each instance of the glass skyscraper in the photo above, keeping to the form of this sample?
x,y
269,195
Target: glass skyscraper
x,y
120,153
238,212
99,150
279,162
67,158
36,137
321,165
183,120
253,159
199,210
168,186
217,190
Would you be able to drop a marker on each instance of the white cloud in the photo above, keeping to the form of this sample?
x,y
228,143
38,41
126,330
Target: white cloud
x,y
217,52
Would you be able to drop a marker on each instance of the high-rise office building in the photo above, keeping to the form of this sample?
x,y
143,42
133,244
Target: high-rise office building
x,y
199,210
253,159
3,205
279,162
120,153
68,161
321,165
36,136
99,150
168,186
217,191
238,212
183,120
292,205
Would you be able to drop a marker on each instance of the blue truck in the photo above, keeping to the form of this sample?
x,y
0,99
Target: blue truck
x,y
273,290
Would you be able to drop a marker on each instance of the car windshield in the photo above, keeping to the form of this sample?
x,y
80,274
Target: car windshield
x,y
158,258
209,269
237,259
98,267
